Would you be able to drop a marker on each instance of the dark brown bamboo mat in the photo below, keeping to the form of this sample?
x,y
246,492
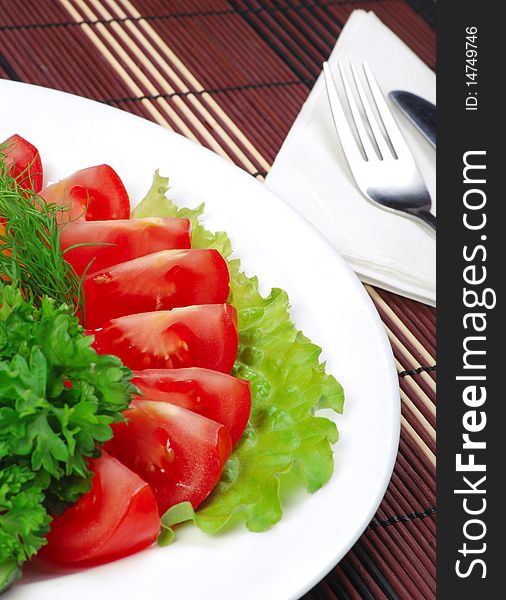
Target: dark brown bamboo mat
x,y
232,75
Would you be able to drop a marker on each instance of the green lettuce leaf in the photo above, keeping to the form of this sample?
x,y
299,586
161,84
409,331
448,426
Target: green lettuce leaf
x,y
284,442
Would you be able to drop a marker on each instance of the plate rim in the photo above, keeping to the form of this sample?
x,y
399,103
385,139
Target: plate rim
x,y
394,392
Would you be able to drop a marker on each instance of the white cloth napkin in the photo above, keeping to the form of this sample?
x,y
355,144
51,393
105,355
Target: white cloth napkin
x,y
311,173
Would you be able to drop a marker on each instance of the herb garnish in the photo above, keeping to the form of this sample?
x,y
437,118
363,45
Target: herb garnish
x,y
58,398
30,256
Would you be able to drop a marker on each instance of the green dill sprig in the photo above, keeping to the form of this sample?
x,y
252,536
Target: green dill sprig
x,y
30,252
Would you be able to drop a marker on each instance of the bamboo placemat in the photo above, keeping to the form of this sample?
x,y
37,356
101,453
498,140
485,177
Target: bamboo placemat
x,y
232,75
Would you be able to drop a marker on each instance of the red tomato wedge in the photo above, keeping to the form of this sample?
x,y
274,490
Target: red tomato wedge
x,y
193,336
91,194
217,396
158,281
128,239
179,453
23,162
118,516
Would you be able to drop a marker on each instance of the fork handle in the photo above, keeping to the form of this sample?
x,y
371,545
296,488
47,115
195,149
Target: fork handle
x,y
427,217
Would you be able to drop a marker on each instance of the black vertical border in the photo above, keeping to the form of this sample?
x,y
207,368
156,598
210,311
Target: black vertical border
x,y
459,131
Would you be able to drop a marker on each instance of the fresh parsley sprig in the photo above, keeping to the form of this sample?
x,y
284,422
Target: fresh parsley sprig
x,y
58,399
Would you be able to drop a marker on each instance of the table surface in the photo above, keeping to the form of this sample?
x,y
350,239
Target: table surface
x,y
232,75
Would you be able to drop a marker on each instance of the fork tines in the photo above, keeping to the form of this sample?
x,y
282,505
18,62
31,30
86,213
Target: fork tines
x,y
372,119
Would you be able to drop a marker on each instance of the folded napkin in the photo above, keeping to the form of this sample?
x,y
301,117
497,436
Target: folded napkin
x,y
311,172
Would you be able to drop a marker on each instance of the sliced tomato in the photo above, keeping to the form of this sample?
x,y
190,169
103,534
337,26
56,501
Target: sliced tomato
x,y
23,162
126,239
179,453
217,396
193,336
158,281
118,516
90,194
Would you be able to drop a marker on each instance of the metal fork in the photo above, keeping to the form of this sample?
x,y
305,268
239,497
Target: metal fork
x,y
383,166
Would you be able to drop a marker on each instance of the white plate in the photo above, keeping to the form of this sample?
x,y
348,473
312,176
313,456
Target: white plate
x,y
329,304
